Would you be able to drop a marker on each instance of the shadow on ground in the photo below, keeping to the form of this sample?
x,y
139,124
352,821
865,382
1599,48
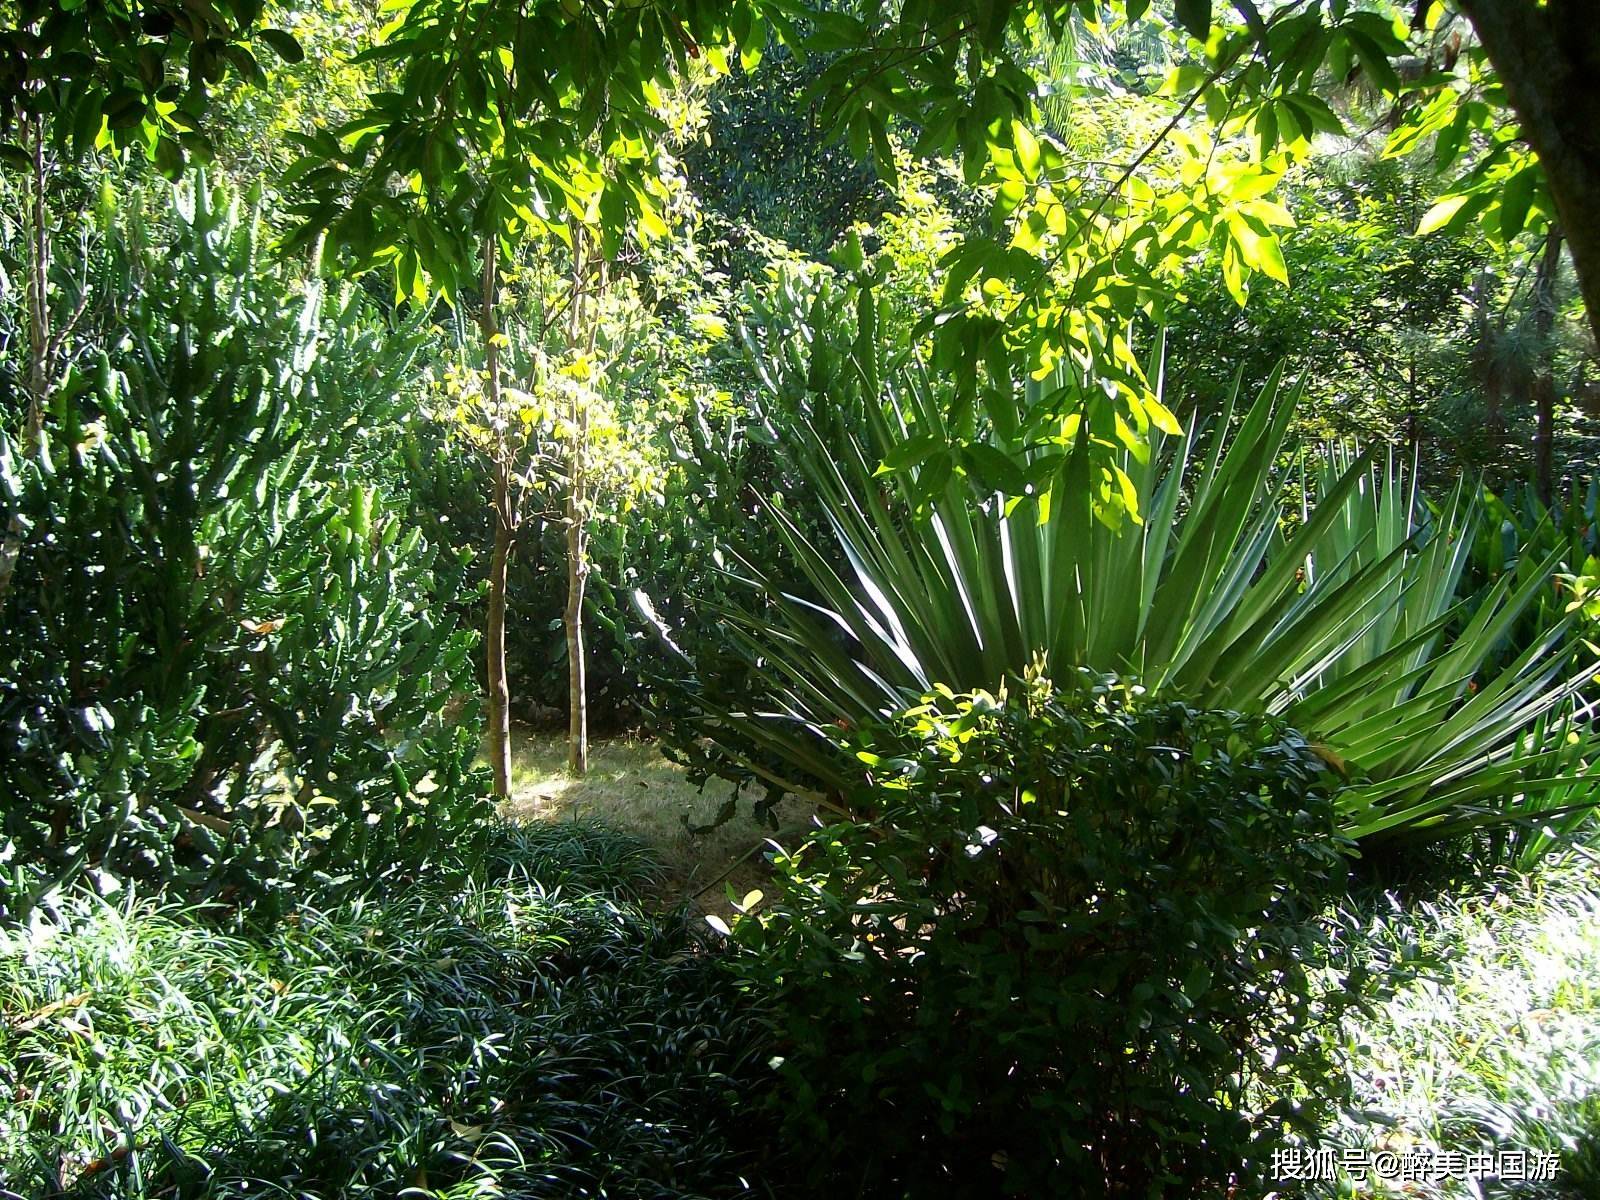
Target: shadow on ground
x,y
631,787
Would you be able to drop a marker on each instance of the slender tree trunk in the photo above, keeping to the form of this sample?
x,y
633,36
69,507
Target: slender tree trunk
x,y
577,580
1544,384
1486,363
504,524
1548,59
38,304
577,540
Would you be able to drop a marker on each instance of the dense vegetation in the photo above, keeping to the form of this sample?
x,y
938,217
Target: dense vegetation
x,y
1046,935
1125,471
541,1040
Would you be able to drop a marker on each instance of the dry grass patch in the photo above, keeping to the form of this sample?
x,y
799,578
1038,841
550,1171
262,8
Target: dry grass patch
x,y
631,787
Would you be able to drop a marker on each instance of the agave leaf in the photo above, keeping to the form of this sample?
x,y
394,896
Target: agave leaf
x,y
1353,625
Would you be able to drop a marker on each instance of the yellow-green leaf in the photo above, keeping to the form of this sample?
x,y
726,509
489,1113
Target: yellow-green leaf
x,y
1440,214
1027,147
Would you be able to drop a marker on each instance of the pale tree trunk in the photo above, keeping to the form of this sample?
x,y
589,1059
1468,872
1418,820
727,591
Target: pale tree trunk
x,y
577,539
504,524
577,580
1548,59
1544,384
38,304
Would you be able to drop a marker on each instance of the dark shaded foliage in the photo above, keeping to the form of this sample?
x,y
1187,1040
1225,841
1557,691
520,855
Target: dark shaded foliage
x,y
1066,949
811,186
503,1038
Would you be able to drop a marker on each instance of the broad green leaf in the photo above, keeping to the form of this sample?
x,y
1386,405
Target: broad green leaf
x,y
1516,196
1027,147
1441,214
1194,16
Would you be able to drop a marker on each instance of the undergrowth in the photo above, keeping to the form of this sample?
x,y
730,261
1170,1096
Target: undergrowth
x,y
541,1034
1496,1046
537,1034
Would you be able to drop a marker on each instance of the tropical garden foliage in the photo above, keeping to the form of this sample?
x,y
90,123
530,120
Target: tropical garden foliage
x,y
1124,472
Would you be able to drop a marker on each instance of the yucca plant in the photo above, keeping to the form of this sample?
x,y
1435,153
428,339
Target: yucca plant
x,y
1338,610
1519,531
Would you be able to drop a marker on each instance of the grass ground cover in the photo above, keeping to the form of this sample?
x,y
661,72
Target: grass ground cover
x,y
539,1034
1496,1046
631,787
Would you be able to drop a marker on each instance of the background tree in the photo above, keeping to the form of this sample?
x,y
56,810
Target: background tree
x,y
1547,57
811,187
506,124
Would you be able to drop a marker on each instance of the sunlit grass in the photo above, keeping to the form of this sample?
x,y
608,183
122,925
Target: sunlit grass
x,y
1497,1046
631,787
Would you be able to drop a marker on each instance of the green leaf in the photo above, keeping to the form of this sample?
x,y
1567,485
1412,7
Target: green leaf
x,y
1441,214
1194,16
1233,274
1266,129
994,469
1516,197
1027,147
284,44
169,158
1269,259
910,452
1375,58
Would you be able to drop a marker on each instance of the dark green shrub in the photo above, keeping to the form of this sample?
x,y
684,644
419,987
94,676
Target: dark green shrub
x,y
1068,950
224,663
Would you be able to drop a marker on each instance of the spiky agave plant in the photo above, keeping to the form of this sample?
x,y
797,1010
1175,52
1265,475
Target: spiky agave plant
x,y
1347,622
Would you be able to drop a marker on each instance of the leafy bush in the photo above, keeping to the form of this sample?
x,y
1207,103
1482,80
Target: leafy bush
x,y
1067,950
497,1039
225,664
